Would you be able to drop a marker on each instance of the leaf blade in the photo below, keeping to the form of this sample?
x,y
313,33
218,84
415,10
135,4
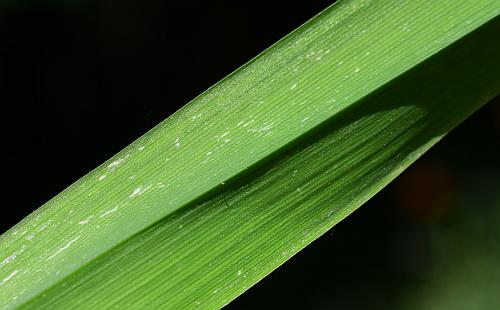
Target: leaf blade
x,y
147,188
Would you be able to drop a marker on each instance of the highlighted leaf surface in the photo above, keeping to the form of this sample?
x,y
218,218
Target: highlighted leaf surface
x,y
257,167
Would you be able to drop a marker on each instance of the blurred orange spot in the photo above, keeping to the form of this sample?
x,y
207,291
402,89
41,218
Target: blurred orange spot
x,y
425,191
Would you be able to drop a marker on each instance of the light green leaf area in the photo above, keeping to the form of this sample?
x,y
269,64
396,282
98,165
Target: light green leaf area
x,y
228,188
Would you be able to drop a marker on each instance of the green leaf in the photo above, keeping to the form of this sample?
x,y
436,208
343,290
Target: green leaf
x,y
228,188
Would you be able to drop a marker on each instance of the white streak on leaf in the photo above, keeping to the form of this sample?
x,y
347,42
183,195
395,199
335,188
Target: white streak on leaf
x,y
136,192
266,127
139,191
10,276
8,259
85,221
109,211
117,162
223,135
63,248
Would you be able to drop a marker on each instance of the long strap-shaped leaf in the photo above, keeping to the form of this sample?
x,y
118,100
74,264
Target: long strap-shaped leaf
x,y
257,167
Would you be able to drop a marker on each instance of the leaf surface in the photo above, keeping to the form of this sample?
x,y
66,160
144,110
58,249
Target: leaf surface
x,y
261,164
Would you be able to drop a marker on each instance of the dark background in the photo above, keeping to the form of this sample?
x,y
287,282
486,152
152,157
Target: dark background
x,y
80,80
